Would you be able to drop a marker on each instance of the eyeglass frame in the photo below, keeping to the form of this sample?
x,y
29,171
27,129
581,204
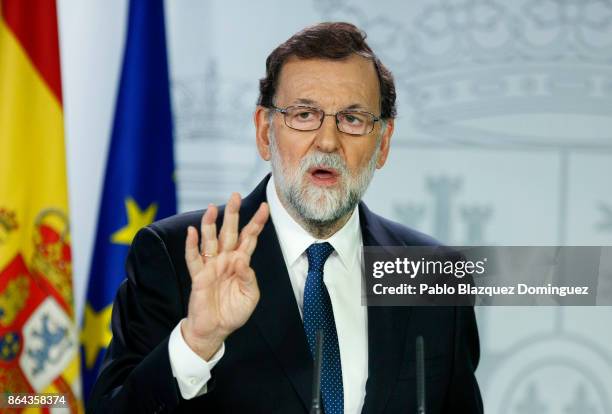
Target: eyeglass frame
x,y
284,112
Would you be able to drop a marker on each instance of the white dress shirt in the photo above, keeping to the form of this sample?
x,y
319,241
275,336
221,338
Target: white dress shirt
x,y
342,277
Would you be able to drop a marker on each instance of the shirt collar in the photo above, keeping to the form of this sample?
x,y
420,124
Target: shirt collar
x,y
294,239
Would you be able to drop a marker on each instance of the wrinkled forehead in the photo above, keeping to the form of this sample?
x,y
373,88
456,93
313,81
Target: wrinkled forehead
x,y
329,84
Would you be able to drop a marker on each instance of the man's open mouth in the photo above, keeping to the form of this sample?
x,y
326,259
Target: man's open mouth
x,y
324,175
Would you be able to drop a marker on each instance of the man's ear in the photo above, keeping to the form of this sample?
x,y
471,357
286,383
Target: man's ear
x,y
385,143
262,131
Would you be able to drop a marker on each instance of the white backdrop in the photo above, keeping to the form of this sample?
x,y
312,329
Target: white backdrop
x,y
504,137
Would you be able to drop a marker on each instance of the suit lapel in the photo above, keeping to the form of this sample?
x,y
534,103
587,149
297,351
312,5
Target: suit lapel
x,y
386,329
276,315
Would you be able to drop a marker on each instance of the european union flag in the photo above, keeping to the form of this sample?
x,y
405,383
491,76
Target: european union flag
x,y
138,185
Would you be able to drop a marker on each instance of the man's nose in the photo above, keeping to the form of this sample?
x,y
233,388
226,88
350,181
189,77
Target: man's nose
x,y
328,136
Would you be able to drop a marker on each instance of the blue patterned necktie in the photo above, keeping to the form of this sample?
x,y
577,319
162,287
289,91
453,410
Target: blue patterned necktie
x,y
318,314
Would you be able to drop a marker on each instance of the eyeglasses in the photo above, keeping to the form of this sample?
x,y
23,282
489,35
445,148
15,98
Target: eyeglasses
x,y
307,118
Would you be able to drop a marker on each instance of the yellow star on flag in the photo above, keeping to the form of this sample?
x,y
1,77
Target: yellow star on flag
x,y
137,219
96,333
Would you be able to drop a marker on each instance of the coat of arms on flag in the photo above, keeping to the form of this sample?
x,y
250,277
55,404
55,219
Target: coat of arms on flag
x,y
38,339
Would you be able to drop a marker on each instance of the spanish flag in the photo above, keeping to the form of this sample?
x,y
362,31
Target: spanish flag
x,y
38,336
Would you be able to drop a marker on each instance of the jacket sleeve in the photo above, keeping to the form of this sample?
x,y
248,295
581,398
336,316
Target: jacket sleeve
x,y
464,393
136,376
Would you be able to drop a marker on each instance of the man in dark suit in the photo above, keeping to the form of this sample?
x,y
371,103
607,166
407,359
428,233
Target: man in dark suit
x,y
225,322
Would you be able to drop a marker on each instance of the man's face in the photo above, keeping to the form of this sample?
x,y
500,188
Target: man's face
x,y
323,174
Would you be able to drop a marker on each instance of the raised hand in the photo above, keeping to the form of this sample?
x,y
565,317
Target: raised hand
x,y
224,289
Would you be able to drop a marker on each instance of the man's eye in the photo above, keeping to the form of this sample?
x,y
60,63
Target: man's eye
x,y
305,115
353,119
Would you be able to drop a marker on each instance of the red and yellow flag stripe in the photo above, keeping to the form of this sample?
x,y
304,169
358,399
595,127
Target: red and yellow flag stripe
x,y
38,341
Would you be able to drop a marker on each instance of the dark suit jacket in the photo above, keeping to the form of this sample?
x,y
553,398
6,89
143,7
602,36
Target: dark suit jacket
x,y
267,367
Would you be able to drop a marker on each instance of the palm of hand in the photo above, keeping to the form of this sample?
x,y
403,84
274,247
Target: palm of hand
x,y
224,289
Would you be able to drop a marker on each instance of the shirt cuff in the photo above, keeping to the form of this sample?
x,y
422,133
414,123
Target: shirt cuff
x,y
190,370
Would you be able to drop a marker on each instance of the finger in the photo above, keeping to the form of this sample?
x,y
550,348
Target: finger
x,y
228,235
192,253
222,265
257,222
250,232
208,228
248,245
248,281
207,277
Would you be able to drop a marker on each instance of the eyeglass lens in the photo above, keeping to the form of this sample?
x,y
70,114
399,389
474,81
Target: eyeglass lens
x,y
310,119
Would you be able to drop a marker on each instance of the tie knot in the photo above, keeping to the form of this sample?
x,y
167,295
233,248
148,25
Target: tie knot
x,y
317,255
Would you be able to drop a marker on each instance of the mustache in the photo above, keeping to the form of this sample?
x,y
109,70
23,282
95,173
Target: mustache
x,y
325,160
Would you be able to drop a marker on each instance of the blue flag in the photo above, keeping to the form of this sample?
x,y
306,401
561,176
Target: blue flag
x,y
138,185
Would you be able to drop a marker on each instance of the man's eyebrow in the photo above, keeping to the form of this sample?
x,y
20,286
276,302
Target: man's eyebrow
x,y
310,102
356,106
305,101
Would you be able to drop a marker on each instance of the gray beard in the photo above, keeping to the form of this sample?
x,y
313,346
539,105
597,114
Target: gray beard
x,y
319,209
